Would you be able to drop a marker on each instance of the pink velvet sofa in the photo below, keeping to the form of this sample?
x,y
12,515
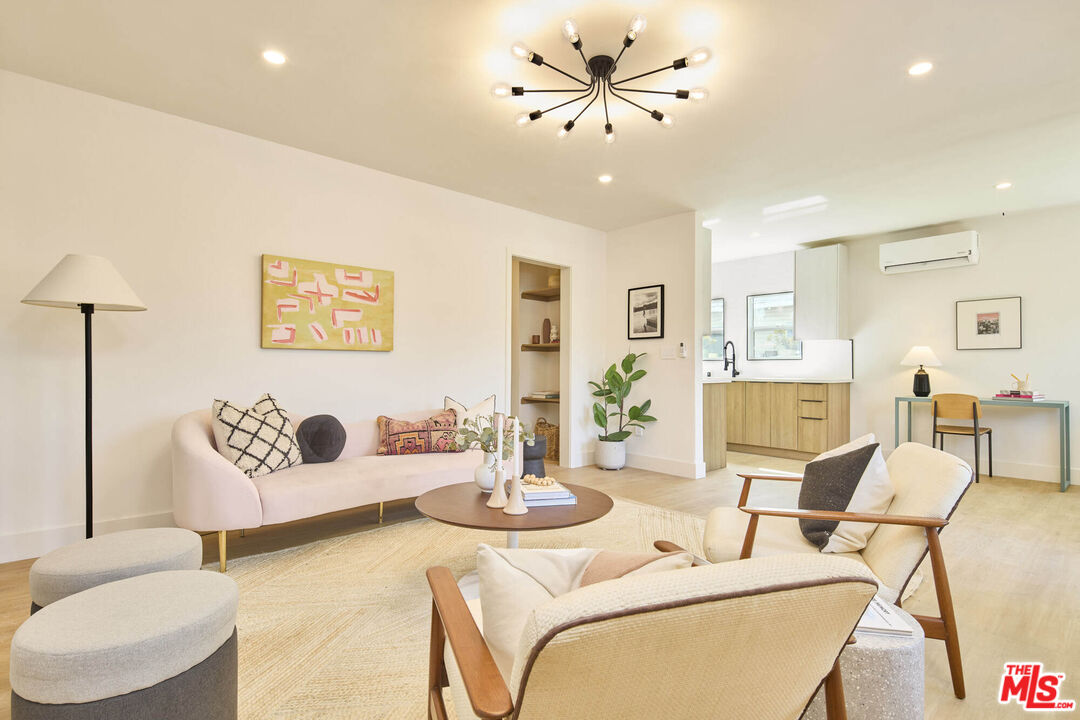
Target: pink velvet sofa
x,y
212,494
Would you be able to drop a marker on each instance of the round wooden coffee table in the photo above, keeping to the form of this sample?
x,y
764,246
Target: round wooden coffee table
x,y
465,506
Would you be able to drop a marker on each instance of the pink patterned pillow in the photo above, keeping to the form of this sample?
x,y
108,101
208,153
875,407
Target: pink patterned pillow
x,y
437,434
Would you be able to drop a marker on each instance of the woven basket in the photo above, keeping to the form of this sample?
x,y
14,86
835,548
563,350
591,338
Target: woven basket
x,y
551,432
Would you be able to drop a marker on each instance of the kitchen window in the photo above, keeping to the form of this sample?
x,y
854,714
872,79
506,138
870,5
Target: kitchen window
x,y
712,345
770,327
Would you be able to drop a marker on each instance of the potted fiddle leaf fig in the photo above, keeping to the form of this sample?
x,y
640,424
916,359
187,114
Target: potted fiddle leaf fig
x,y
612,416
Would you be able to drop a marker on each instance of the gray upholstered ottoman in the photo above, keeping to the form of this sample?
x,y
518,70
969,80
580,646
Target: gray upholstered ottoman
x,y
158,646
115,556
883,677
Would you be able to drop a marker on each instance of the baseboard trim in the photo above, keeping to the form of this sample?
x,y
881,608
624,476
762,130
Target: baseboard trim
x,y
665,465
35,543
770,452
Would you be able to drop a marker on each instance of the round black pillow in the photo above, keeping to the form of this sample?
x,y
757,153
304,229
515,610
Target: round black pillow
x,y
321,438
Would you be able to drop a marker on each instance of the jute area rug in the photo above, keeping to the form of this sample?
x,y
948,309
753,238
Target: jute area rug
x,y
340,628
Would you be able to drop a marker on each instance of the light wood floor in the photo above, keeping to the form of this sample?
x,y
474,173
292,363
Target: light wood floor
x,y
1013,553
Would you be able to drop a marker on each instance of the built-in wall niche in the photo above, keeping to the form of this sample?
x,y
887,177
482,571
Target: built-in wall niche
x,y
536,390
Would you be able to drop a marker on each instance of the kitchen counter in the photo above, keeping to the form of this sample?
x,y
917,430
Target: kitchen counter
x,y
741,378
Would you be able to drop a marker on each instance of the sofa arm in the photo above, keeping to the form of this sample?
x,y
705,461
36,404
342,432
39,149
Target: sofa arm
x,y
209,492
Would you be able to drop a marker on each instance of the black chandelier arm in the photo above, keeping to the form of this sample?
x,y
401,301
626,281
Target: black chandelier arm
x,y
628,100
616,83
583,58
595,94
654,92
563,90
545,63
607,120
568,102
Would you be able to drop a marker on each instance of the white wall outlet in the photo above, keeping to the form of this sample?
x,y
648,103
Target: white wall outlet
x,y
638,431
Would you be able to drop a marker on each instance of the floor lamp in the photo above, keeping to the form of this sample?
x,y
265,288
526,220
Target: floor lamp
x,y
89,283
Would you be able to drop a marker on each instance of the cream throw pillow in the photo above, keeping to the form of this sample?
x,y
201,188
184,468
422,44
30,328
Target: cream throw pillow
x,y
513,583
484,407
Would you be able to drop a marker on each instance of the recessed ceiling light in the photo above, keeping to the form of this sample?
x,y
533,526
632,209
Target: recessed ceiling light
x,y
1003,185
920,68
605,179
755,234
274,57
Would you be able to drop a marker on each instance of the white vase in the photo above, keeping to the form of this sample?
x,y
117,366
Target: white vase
x,y
484,475
610,455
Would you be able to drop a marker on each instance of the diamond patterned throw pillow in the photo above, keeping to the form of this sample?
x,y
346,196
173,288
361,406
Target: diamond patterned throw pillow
x,y
258,439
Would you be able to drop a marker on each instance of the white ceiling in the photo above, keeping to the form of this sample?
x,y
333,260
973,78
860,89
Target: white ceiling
x,y
807,99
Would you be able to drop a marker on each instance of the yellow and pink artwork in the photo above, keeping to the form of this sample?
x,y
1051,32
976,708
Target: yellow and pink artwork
x,y
314,305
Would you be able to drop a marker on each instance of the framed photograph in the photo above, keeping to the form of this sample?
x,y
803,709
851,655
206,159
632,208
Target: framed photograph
x,y
645,312
990,324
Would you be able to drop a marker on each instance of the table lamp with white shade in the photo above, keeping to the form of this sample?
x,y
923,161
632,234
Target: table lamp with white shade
x,y
89,283
919,356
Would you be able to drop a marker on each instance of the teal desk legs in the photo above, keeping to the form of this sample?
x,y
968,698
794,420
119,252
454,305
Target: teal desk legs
x,y
896,423
1066,449
909,422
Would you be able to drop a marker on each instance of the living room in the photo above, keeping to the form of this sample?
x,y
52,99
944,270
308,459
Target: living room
x,y
198,148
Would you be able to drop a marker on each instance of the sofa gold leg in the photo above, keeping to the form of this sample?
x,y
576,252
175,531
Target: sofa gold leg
x,y
380,512
221,550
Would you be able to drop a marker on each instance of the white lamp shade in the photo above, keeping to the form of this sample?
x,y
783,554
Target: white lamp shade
x,y
82,280
921,355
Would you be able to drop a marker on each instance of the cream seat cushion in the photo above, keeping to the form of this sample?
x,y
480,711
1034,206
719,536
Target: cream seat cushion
x,y
114,556
725,529
123,636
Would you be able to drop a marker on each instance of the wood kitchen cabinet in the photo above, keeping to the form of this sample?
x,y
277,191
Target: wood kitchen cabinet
x,y
714,413
787,419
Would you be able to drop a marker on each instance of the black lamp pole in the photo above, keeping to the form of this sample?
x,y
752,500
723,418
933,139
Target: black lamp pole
x,y
88,310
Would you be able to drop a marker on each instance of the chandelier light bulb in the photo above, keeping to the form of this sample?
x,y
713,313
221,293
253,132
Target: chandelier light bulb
x,y
698,56
565,129
698,94
520,50
609,133
636,25
500,90
522,120
570,31
667,122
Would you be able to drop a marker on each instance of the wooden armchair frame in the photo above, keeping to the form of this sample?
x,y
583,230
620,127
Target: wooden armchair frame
x,y
488,694
936,628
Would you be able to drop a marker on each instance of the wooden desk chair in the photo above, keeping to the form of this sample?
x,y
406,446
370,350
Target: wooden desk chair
x,y
955,406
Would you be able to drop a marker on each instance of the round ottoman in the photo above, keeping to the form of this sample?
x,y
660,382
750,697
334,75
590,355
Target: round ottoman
x,y
883,677
161,645
106,558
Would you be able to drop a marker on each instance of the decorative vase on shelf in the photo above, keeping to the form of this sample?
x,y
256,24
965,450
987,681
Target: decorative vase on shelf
x,y
610,455
484,475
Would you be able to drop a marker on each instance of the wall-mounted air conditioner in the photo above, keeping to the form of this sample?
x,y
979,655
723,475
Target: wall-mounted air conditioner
x,y
958,249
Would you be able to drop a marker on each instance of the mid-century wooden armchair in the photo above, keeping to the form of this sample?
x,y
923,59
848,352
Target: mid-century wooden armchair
x,y
749,639
928,484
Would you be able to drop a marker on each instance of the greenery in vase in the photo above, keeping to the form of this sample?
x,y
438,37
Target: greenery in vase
x,y
613,392
479,432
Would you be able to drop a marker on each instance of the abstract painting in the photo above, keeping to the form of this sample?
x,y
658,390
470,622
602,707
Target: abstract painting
x,y
312,305
990,324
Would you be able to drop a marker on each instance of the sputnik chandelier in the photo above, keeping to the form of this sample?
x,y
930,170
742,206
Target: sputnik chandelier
x,y
601,84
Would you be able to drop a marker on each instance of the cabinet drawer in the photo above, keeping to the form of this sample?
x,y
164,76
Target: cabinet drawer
x,y
813,391
813,435
812,409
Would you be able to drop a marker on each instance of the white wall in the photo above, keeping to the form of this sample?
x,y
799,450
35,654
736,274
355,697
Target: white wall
x,y
184,211
1031,254
663,251
733,280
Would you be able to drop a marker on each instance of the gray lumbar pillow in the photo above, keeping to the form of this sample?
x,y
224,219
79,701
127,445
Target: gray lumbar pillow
x,y
855,481
321,438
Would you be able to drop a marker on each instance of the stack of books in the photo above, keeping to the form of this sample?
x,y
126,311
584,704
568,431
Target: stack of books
x,y
545,395
547,495
882,618
1028,395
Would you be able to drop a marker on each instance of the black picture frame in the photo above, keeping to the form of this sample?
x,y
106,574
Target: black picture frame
x,y
642,306
969,345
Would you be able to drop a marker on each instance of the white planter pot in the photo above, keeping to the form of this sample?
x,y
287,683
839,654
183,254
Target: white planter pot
x,y
484,475
610,455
